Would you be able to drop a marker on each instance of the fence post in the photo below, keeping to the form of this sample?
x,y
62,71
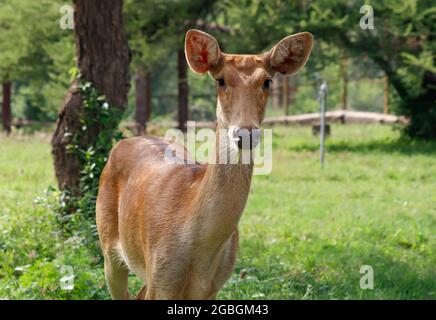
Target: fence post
x,y
322,97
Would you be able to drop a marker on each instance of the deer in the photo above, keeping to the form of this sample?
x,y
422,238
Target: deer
x,y
175,226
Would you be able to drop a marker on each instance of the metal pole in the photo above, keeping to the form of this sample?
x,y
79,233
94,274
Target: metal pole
x,y
322,95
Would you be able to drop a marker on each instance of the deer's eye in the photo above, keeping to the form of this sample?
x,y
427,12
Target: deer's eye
x,y
221,83
267,84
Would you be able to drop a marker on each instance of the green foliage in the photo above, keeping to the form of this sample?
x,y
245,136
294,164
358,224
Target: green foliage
x,y
97,116
67,221
76,212
36,54
154,30
306,101
31,261
155,35
202,97
32,245
402,43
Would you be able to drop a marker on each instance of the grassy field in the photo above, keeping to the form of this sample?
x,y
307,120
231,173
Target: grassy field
x,y
305,233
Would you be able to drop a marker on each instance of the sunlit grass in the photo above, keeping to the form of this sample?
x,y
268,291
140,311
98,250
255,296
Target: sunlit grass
x,y
307,230
305,233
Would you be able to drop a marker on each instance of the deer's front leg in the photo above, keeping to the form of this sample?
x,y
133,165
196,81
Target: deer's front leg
x,y
159,290
116,276
167,276
226,267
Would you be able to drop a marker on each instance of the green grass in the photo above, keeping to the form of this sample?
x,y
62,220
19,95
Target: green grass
x,y
305,233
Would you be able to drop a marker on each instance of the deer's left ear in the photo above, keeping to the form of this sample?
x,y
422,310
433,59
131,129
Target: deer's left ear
x,y
291,53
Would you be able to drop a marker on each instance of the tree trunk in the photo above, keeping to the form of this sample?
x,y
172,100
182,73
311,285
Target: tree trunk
x,y
183,89
6,107
280,91
343,67
143,99
286,94
275,94
422,109
103,59
148,96
385,94
293,89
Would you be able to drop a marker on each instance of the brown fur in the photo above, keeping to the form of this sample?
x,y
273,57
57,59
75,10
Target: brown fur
x,y
175,225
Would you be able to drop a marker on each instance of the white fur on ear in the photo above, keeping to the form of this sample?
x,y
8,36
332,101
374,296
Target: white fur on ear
x,y
291,53
202,51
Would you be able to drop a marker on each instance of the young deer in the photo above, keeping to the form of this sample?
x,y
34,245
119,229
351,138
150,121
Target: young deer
x,y
176,225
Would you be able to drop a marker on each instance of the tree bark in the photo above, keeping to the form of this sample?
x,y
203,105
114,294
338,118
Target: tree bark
x,y
280,91
422,109
143,99
148,96
286,94
385,94
275,93
419,108
183,89
6,107
103,59
343,67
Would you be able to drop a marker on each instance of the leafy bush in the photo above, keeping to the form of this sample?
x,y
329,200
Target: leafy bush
x,y
76,213
34,251
65,232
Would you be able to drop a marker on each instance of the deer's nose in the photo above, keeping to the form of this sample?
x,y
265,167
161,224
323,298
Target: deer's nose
x,y
247,137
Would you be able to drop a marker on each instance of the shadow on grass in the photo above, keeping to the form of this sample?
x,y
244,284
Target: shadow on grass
x,y
393,279
401,145
333,274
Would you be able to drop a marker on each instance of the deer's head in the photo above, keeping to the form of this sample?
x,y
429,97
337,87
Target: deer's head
x,y
244,81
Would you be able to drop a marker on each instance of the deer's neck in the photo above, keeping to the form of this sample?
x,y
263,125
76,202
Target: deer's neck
x,y
220,199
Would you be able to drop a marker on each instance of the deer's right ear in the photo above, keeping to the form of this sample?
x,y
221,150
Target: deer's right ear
x,y
202,51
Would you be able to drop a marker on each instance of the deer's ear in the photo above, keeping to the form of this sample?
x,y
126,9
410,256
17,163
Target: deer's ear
x,y
291,53
202,51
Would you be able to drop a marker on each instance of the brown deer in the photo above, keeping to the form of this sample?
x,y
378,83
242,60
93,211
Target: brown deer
x,y
176,225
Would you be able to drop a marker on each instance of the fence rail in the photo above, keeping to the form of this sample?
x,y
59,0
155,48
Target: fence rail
x,y
339,116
